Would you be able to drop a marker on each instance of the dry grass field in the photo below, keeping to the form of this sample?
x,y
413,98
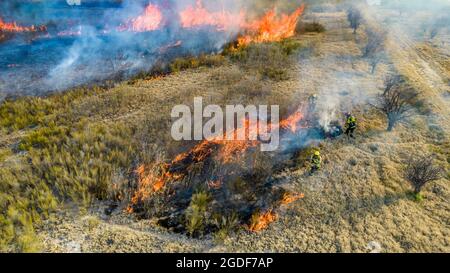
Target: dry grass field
x,y
358,202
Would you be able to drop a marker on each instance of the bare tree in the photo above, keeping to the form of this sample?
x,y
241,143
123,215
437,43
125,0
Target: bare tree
x,y
354,17
374,48
396,100
421,171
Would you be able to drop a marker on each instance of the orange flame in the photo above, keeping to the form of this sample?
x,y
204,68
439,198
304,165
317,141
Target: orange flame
x,y
228,151
215,184
291,197
198,16
262,221
13,27
292,122
270,28
149,20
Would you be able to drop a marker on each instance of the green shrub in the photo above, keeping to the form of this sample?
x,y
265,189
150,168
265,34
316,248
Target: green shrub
x,y
196,213
418,197
225,225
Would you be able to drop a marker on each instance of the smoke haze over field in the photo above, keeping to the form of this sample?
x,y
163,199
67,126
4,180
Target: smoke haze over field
x,y
98,40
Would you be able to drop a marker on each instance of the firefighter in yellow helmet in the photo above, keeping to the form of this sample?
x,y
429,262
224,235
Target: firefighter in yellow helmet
x,y
350,125
316,162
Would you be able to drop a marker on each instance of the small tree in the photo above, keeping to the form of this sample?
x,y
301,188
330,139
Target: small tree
x,y
396,100
354,17
421,171
374,48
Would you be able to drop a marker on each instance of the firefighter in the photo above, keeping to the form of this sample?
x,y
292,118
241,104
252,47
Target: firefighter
x,y
350,125
316,162
312,103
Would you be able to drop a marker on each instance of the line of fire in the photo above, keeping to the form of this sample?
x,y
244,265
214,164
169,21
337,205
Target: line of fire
x,y
213,164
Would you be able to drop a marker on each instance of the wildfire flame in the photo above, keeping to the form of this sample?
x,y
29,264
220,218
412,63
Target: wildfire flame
x,y
149,20
262,221
198,16
289,198
14,27
228,151
270,28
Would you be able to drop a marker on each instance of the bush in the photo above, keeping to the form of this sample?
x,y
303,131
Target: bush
x,y
396,100
226,225
420,171
303,27
196,213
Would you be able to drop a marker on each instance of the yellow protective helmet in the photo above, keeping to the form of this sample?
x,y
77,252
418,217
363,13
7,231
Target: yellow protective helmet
x,y
317,153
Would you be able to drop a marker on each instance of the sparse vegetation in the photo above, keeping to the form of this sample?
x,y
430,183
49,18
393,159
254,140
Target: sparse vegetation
x,y
269,59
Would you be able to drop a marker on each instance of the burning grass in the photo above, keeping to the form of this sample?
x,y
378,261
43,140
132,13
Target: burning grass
x,y
150,20
233,174
100,144
270,28
72,159
13,27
